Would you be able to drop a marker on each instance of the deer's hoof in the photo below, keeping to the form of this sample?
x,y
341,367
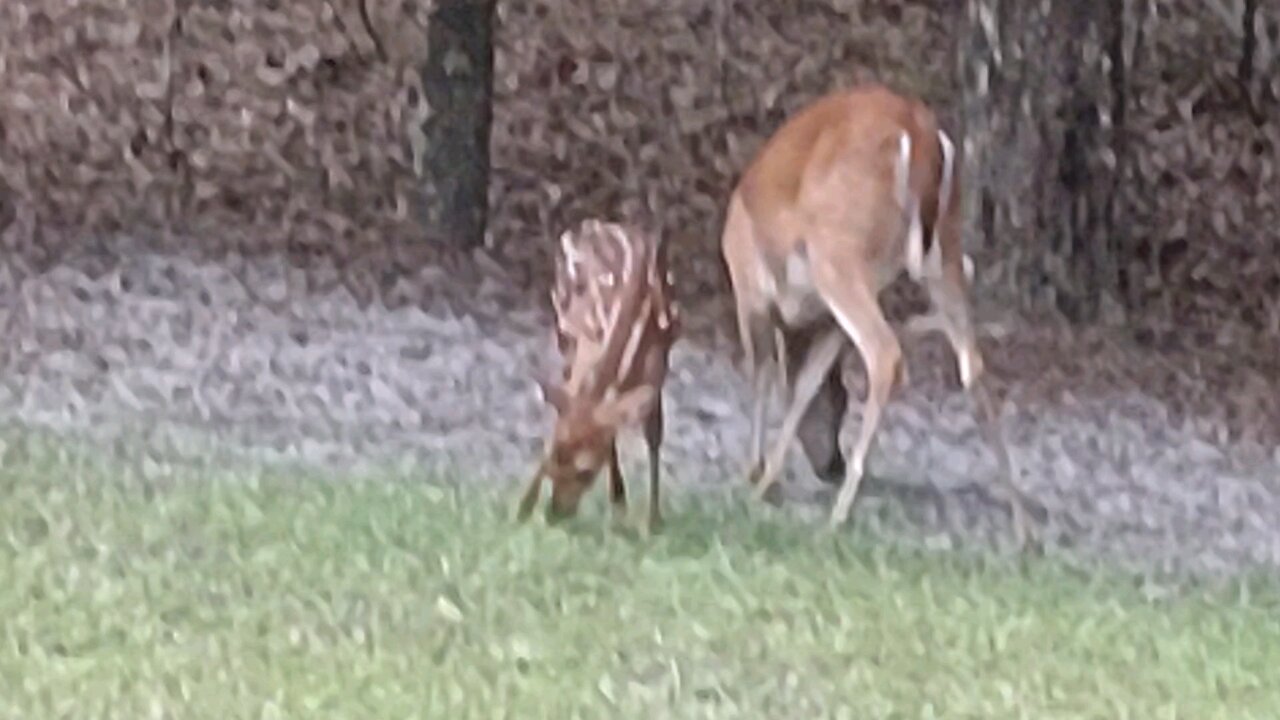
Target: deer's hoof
x,y
768,493
839,515
654,524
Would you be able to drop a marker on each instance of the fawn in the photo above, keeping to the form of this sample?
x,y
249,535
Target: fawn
x,y
615,324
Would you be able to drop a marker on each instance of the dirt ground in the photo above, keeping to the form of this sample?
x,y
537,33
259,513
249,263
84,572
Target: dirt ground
x,y
1155,450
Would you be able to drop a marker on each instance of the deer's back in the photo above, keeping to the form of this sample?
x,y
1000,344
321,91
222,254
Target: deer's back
x,y
615,319
833,163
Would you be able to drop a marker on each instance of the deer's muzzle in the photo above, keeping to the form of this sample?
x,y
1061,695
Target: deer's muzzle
x,y
566,495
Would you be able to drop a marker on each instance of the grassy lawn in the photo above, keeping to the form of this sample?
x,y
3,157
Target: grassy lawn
x,y
134,593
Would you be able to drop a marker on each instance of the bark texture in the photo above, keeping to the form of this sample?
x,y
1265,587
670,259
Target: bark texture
x,y
458,80
1045,97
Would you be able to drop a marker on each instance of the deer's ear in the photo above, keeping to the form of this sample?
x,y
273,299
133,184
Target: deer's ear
x,y
626,409
553,394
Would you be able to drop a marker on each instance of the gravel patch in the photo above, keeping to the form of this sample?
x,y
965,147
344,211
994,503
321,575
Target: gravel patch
x,y
284,364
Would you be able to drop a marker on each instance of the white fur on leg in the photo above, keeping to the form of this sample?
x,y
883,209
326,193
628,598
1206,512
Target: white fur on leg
x,y
970,366
902,170
944,187
932,266
948,169
911,206
848,491
915,244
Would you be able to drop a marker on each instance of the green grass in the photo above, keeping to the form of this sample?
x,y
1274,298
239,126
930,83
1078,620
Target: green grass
x,y
136,593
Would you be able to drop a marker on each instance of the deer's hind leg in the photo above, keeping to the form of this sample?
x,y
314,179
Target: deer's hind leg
x,y
854,303
809,378
819,430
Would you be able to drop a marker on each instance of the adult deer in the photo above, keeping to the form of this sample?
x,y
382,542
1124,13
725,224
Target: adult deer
x,y
852,190
616,322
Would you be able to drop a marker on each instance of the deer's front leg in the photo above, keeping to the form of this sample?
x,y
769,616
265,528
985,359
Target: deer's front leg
x,y
762,350
617,487
653,430
759,408
530,496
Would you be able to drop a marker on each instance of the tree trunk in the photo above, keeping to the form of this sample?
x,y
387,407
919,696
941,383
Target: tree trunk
x,y
1249,45
1044,102
8,205
458,81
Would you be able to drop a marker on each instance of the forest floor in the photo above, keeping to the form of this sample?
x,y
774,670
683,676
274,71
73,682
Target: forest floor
x,y
1160,454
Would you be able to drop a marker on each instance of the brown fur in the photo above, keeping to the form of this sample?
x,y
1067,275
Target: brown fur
x,y
819,224
615,325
